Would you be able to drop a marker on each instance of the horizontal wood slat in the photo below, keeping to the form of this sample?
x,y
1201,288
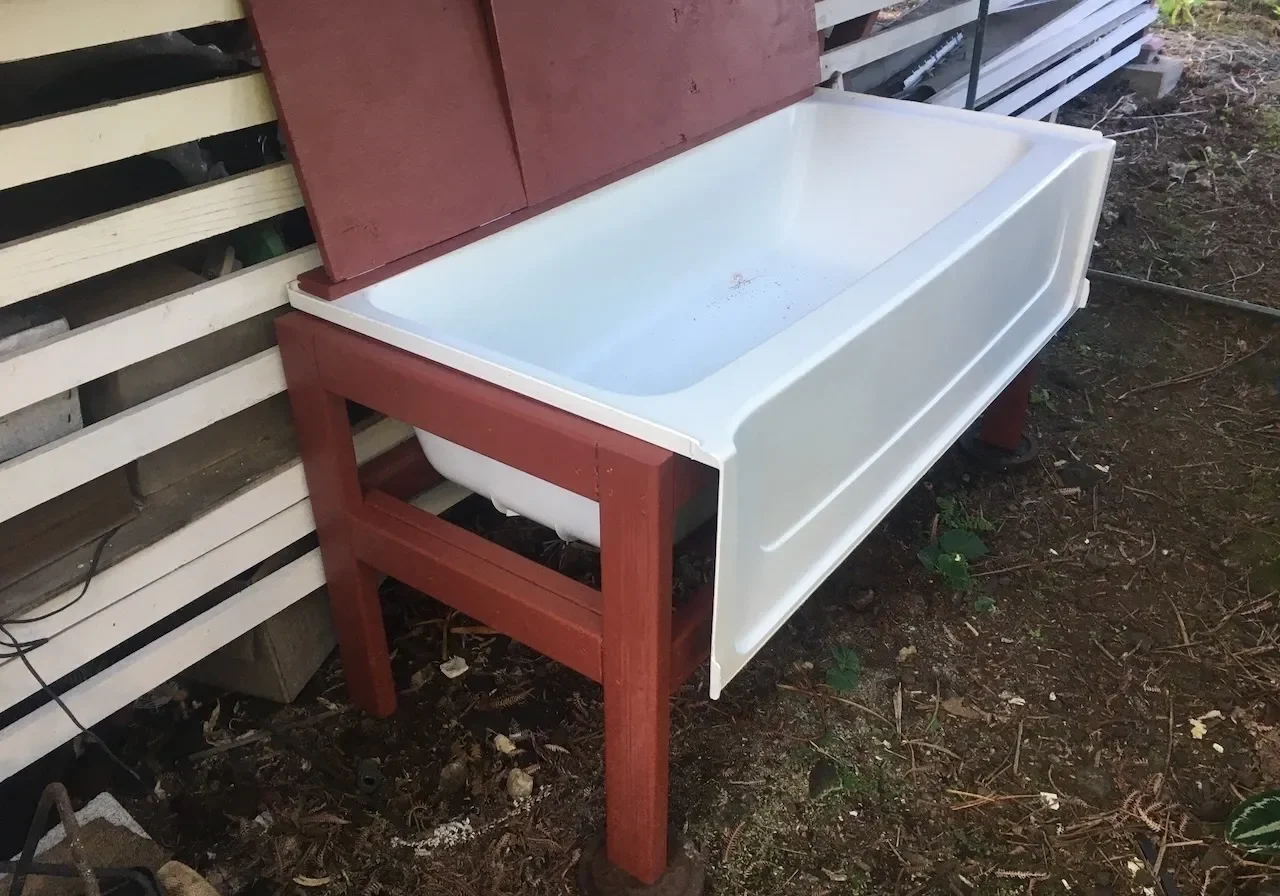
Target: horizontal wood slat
x,y
168,594
39,732
150,603
35,477
31,28
94,246
107,345
206,532
46,147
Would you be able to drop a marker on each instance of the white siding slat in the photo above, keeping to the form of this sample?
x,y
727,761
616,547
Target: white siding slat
x,y
58,144
48,727
33,478
899,37
46,261
206,532
1054,76
828,13
1085,80
40,27
999,69
149,604
97,349
167,595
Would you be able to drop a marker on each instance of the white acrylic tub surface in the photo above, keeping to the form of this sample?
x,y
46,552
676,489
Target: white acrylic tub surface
x,y
817,304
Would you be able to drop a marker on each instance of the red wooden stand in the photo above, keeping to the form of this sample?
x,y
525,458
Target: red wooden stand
x,y
1000,441
1004,422
625,636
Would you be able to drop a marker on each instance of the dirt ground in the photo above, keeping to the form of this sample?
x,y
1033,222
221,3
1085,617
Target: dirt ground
x,y
1105,677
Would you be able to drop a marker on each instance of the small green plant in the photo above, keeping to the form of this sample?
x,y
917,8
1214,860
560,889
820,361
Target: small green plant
x,y
950,554
845,670
953,515
1254,826
984,604
1043,398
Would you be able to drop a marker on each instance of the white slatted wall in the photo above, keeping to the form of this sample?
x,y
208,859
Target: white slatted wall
x,y
243,530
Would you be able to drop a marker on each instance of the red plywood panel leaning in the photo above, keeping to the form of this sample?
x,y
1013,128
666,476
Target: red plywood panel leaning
x,y
395,120
597,85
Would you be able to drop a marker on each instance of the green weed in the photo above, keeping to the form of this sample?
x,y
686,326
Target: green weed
x,y
845,671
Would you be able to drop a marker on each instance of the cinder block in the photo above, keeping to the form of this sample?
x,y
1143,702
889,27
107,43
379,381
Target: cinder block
x,y
1153,80
136,285
277,659
46,420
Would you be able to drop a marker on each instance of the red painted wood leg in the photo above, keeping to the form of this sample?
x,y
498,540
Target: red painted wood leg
x,y
636,512
329,460
1005,421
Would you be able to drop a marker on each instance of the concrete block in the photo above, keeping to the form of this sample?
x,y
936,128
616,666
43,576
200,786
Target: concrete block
x,y
46,420
1153,80
145,282
277,659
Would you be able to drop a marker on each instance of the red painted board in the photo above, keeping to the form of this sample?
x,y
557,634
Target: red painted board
x,y
596,85
395,120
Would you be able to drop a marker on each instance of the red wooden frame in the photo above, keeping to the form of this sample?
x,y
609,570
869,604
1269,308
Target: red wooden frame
x,y
627,636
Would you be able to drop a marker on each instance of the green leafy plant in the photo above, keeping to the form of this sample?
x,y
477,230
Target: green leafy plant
x,y
845,670
1043,398
984,604
953,515
1254,826
951,553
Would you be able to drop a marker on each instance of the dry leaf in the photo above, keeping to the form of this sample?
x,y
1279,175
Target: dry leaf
x,y
555,748
957,707
418,679
304,881
504,745
835,876
211,723
323,818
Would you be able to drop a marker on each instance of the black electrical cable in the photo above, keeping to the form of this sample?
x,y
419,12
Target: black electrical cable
x,y
21,652
93,570
22,648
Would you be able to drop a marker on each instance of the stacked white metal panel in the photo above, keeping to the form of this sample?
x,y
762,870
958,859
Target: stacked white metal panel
x,y
1038,53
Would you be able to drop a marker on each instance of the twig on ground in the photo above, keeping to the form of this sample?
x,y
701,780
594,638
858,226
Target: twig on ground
x,y
1200,374
254,737
924,744
1017,748
838,699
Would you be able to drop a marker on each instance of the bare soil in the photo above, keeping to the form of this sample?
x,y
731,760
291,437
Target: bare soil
x,y
1110,678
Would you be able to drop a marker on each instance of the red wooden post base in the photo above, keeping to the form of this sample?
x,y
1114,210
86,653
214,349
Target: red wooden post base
x,y
1005,421
626,636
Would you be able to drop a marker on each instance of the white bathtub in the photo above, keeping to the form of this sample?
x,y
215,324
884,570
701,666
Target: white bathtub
x,y
817,304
